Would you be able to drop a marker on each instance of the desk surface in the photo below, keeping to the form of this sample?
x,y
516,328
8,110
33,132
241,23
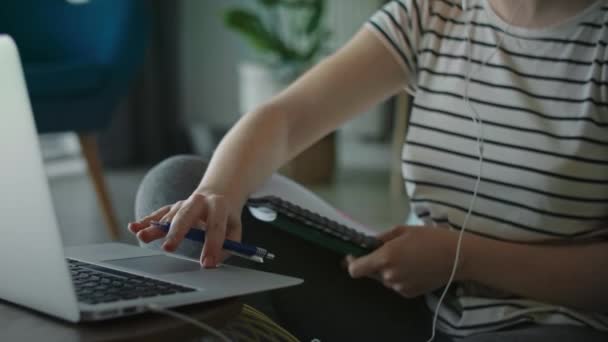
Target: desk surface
x,y
21,324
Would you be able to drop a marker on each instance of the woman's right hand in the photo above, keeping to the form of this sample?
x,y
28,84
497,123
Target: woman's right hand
x,y
220,217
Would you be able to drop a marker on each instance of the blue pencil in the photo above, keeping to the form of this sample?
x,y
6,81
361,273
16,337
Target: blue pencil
x,y
254,253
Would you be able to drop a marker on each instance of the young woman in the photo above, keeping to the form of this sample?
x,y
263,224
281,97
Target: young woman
x,y
523,83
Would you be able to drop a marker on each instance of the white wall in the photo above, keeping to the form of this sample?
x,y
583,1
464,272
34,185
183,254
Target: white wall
x,y
346,17
210,54
208,57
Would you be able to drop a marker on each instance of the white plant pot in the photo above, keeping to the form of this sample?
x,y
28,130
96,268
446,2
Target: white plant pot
x,y
257,84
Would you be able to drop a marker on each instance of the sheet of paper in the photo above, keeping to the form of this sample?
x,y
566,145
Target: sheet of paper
x,y
287,189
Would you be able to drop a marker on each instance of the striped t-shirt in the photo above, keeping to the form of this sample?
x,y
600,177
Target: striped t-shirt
x,y
542,97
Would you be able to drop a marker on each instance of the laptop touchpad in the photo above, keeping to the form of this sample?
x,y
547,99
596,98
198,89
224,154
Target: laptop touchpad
x,y
156,264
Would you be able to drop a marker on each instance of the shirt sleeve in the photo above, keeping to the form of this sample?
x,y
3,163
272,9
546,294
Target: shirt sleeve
x,y
399,25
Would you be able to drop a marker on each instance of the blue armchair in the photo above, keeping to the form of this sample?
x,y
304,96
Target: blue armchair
x,y
79,57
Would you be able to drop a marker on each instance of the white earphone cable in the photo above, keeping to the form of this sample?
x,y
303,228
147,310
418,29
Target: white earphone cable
x,y
476,117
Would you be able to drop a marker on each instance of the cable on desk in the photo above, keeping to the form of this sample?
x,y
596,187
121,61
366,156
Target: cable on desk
x,y
275,328
201,325
250,316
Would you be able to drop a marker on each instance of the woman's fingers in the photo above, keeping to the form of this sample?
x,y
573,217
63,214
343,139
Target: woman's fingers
x,y
144,229
212,210
150,234
135,227
168,217
233,232
392,233
191,211
368,264
217,219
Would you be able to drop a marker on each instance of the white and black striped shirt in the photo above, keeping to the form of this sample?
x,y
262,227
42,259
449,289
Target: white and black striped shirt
x,y
543,100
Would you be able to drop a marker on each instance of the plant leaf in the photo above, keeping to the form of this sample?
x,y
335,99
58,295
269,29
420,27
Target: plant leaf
x,y
317,45
295,3
318,7
251,27
269,3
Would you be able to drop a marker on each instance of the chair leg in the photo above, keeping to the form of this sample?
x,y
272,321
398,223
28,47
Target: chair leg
x,y
88,144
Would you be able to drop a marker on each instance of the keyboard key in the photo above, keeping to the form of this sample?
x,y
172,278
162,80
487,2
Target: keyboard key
x,y
109,299
129,296
101,285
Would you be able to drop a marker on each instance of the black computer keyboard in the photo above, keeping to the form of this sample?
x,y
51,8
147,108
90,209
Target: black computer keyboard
x,y
97,284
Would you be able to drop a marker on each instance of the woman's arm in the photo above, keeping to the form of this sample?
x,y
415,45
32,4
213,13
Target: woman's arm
x,y
415,260
573,275
358,76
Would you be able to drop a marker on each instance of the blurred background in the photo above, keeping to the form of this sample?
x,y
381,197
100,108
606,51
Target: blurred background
x,y
119,85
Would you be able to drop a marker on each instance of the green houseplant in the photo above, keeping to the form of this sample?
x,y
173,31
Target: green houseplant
x,y
289,35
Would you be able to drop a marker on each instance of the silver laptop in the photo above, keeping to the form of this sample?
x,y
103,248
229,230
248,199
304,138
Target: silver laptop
x,y
92,282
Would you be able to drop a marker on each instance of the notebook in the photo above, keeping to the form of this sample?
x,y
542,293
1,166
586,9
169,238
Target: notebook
x,y
291,207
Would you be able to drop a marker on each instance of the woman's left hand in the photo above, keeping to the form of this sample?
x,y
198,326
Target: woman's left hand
x,y
412,261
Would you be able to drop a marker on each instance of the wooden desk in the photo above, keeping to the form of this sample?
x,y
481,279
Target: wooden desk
x,y
21,324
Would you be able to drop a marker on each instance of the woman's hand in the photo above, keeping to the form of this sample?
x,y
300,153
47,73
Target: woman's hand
x,y
220,217
412,261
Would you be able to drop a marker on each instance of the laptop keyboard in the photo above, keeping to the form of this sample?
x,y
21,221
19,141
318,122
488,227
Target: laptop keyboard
x,y
97,284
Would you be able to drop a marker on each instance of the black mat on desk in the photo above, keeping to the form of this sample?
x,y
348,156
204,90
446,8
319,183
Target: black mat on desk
x,y
330,305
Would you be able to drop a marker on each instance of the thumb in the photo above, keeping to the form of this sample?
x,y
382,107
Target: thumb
x,y
393,233
366,265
